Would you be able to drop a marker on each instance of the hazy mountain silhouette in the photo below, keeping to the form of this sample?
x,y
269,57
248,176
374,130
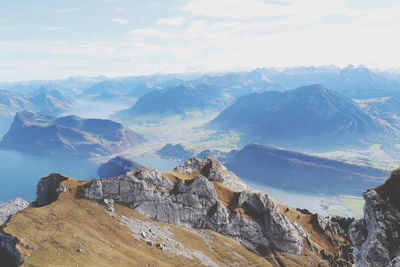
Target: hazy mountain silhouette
x,y
308,117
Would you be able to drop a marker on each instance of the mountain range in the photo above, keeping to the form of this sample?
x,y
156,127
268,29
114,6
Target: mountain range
x,y
71,135
351,81
177,100
40,100
208,93
307,118
128,88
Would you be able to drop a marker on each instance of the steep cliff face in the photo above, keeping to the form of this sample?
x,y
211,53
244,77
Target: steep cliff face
x,y
200,197
376,237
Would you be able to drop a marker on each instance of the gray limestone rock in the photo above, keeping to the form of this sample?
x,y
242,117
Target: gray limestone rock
x,y
154,177
195,203
213,170
376,236
48,189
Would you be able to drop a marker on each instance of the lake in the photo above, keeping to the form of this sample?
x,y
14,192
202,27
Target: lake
x,y
322,204
20,172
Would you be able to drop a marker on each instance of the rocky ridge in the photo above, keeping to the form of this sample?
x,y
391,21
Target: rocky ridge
x,y
376,236
199,195
202,193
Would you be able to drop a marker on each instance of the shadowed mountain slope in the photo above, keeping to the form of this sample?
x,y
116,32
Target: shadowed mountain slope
x,y
71,135
310,118
301,172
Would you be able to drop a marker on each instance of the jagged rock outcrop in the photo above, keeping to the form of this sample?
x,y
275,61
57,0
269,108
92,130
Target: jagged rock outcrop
x,y
117,166
195,203
213,170
48,189
376,237
208,196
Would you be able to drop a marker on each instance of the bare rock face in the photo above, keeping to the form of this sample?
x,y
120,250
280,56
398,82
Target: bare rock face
x,y
9,254
213,170
252,218
48,189
376,237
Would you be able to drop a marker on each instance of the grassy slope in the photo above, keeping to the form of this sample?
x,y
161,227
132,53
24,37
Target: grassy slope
x,y
51,236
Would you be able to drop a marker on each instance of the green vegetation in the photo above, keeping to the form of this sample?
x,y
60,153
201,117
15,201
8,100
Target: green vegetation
x,y
375,156
189,132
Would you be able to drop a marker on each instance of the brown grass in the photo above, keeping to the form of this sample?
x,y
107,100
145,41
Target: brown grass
x,y
319,239
175,177
228,197
54,233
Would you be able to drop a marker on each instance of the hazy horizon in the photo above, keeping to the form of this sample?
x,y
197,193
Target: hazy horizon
x,y
49,40
197,73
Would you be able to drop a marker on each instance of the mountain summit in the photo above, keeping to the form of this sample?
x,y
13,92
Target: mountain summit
x,y
308,117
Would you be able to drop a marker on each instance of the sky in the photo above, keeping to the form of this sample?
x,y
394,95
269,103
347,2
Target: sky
x,y
47,39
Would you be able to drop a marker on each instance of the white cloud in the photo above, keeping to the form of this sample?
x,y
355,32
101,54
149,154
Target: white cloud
x,y
145,33
119,21
69,10
195,29
120,9
176,21
238,9
54,28
219,35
